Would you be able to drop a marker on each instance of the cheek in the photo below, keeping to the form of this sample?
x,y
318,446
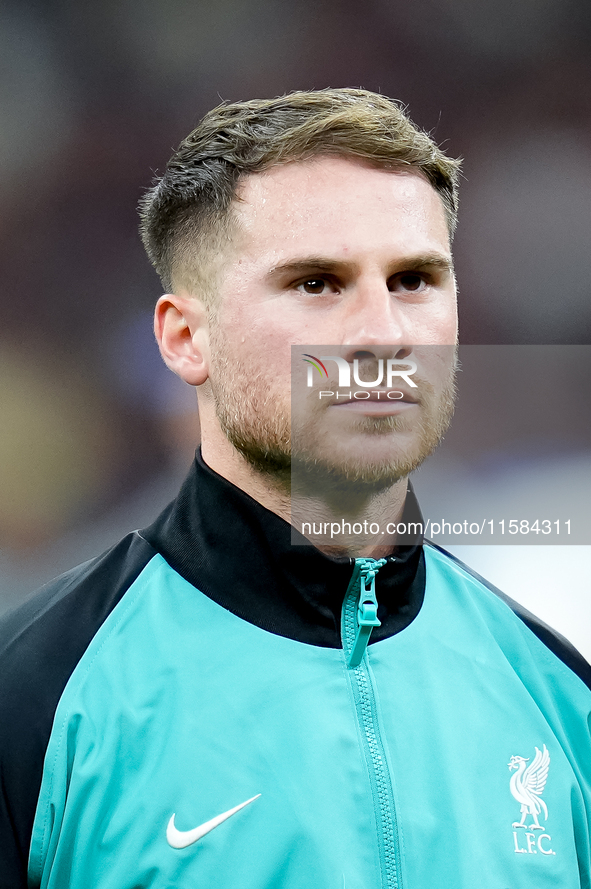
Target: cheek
x,y
449,331
263,353
267,337
442,323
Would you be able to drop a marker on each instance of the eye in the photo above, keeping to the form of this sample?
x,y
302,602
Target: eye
x,y
313,286
408,282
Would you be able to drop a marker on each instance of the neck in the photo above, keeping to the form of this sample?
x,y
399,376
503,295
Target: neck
x,y
344,519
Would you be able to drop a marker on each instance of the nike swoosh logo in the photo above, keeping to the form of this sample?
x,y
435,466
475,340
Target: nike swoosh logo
x,y
180,839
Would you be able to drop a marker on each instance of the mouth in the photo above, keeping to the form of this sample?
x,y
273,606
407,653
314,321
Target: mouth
x,y
376,402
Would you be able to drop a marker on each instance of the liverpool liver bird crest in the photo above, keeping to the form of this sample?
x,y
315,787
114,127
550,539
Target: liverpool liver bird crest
x,y
527,786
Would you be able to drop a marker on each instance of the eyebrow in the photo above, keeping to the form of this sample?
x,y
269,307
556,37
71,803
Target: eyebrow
x,y
331,266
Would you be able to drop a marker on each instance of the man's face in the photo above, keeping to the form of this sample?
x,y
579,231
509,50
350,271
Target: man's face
x,y
332,251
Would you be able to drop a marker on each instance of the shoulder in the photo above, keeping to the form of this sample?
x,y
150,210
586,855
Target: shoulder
x,y
553,641
41,643
53,628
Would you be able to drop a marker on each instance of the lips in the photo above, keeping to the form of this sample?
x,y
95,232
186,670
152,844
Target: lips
x,y
379,396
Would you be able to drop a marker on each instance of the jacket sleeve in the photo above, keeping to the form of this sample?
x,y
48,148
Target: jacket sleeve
x,y
40,645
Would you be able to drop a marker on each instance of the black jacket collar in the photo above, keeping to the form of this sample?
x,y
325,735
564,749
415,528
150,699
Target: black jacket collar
x,y
240,555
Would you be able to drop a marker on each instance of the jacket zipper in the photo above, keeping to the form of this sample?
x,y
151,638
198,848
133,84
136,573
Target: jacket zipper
x,y
359,617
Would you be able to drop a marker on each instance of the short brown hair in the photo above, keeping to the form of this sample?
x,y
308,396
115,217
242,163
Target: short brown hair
x,y
186,213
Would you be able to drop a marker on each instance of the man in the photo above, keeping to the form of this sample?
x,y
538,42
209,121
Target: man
x,y
210,704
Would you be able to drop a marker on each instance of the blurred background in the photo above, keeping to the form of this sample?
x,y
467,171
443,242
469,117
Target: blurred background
x,y
95,434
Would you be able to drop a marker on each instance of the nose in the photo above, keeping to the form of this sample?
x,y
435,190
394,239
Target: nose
x,y
376,326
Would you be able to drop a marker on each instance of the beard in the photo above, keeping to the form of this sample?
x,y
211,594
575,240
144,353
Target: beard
x,y
252,416
392,446
257,420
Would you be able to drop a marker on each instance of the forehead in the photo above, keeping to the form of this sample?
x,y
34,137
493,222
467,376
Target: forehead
x,y
338,205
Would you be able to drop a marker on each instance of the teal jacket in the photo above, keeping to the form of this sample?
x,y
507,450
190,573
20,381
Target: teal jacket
x,y
192,748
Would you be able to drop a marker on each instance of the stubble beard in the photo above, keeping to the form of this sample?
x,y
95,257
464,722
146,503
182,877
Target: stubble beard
x,y
257,423
339,469
251,415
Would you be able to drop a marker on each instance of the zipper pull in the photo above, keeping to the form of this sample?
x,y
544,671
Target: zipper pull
x,y
367,608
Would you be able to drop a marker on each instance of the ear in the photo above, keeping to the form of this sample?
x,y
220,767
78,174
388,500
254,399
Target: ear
x,y
182,333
